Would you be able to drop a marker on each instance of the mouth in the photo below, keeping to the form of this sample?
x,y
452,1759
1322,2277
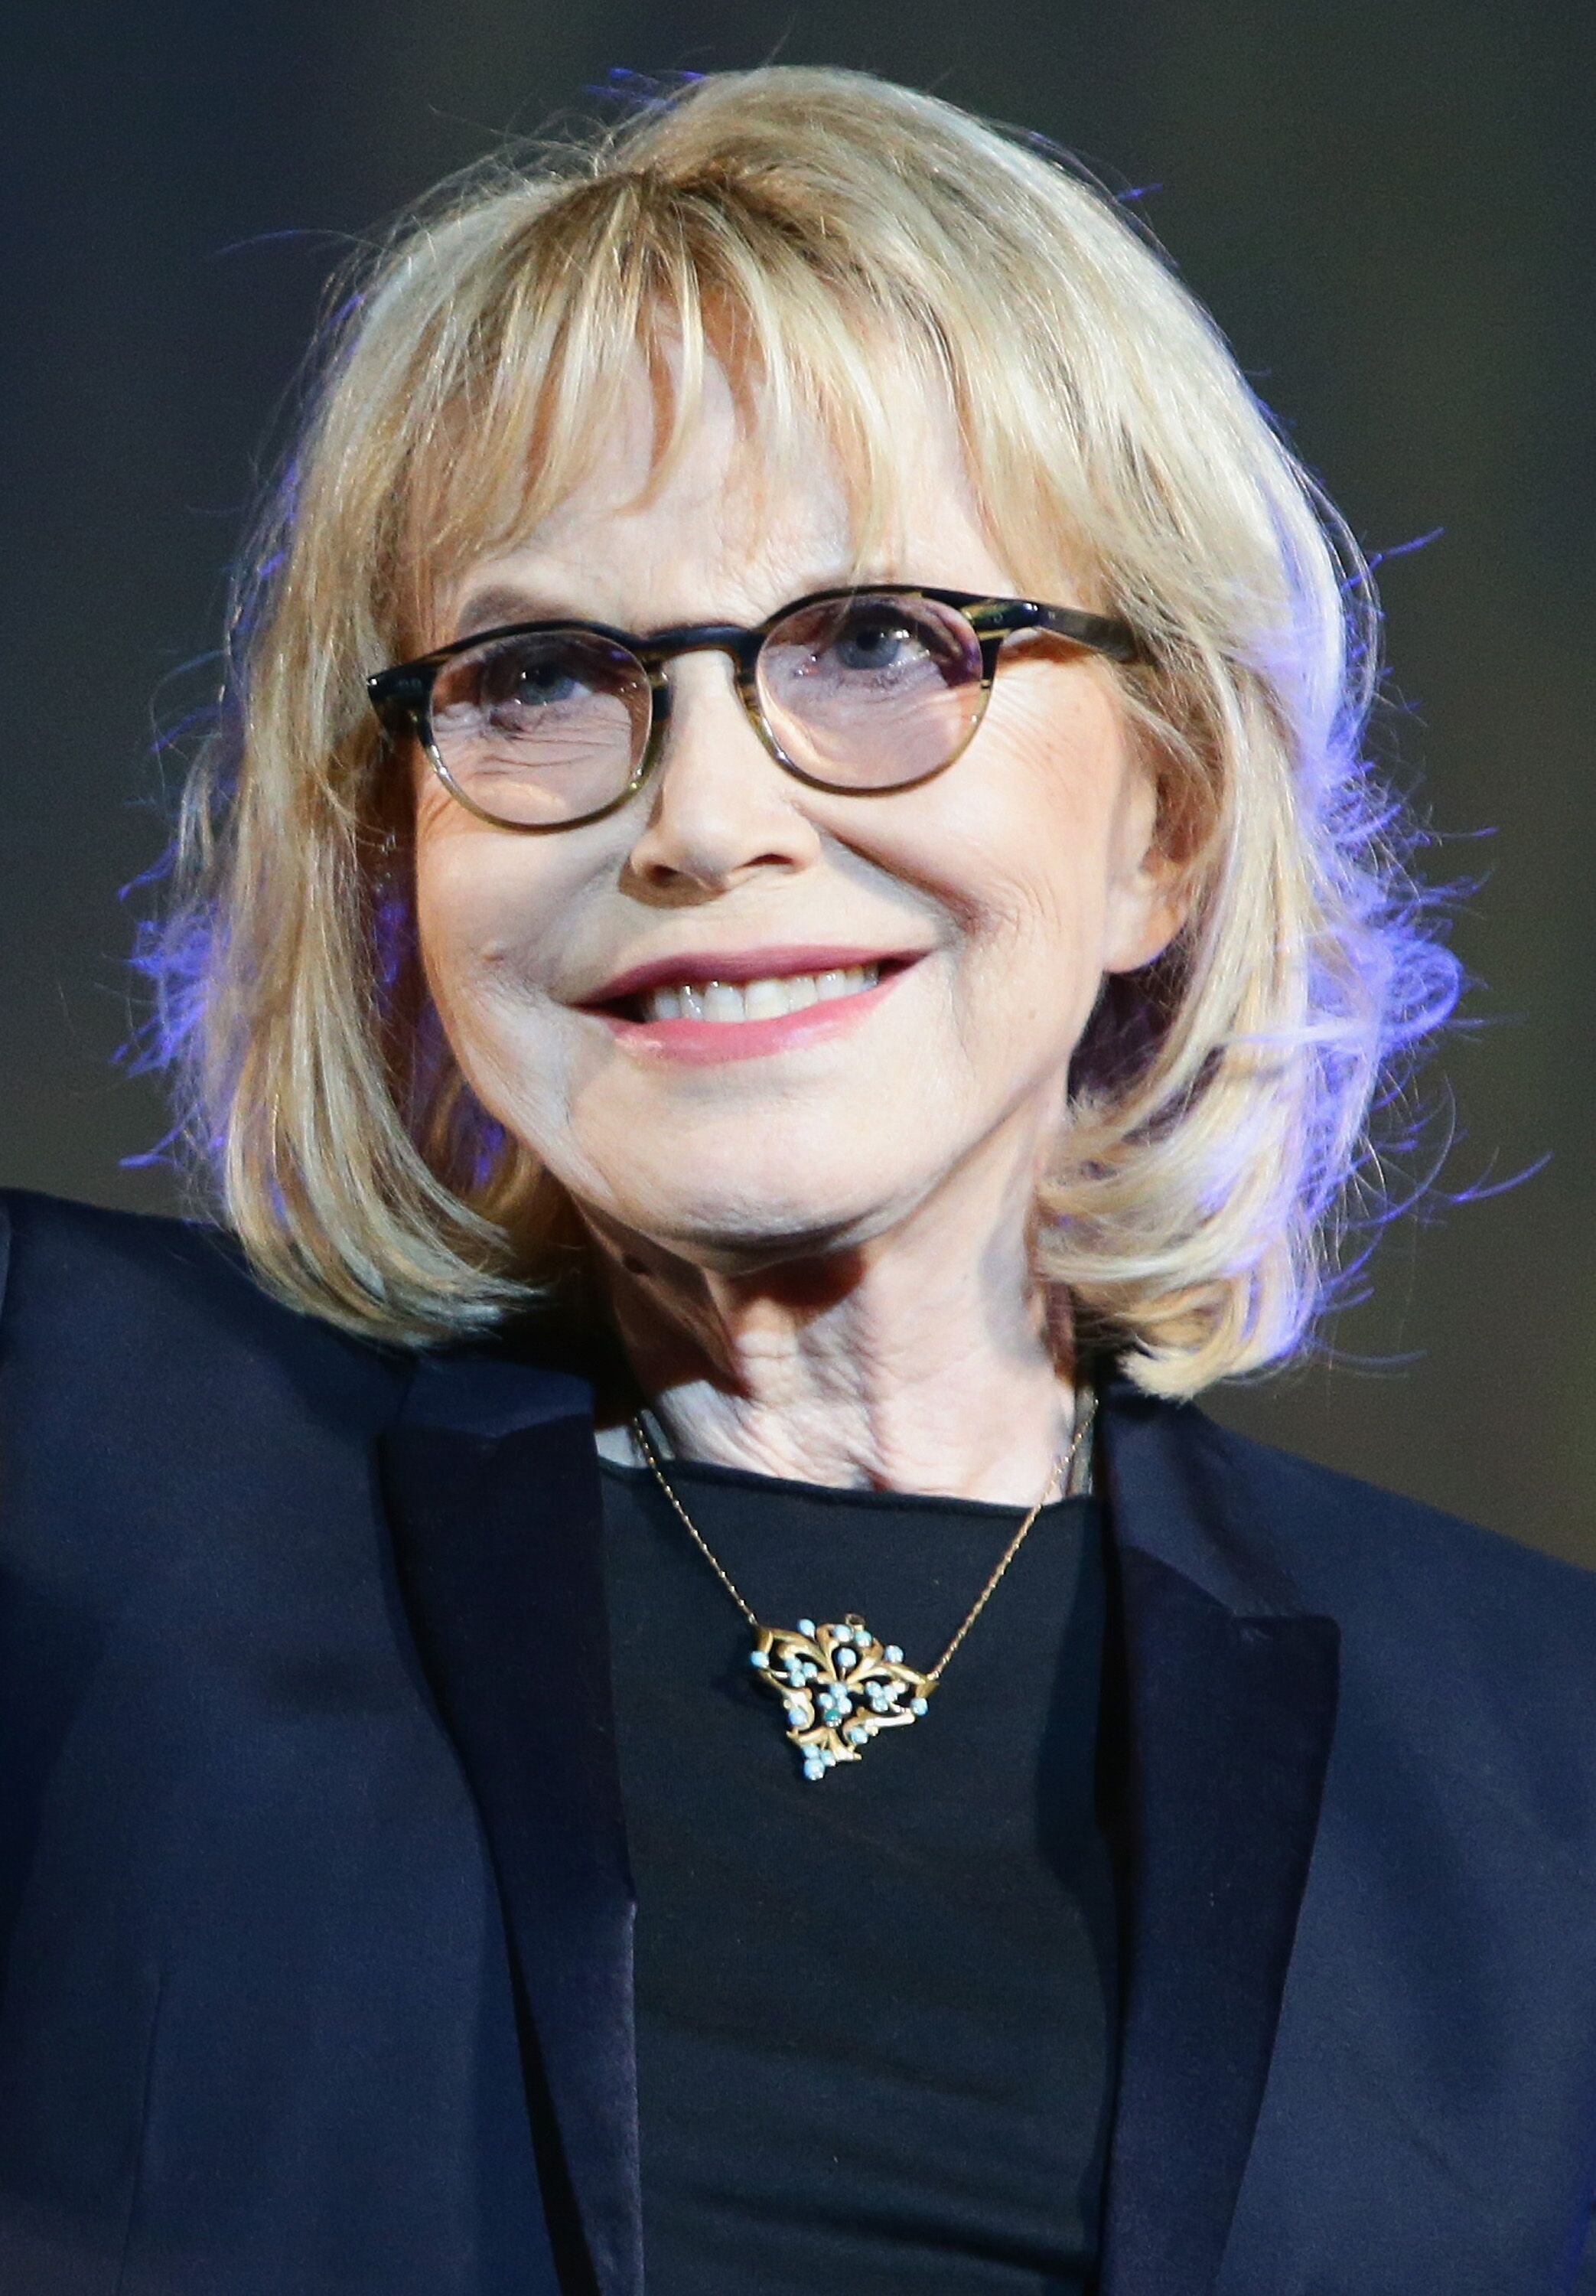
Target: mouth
x,y
724,1002
737,1006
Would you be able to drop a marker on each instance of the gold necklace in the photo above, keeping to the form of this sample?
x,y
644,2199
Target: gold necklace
x,y
841,1685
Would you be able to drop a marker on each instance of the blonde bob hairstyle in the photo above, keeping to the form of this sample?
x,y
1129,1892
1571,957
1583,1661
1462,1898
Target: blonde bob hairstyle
x,y
825,235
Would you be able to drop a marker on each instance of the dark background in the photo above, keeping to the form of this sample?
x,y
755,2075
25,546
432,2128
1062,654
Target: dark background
x,y
1389,206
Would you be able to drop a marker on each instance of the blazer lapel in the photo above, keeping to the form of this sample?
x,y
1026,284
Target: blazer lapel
x,y
493,1496
1228,1704
1229,1699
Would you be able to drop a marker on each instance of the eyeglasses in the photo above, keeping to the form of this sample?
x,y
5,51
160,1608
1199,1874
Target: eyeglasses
x,y
542,725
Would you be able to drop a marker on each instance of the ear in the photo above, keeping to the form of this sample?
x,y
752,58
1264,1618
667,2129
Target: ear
x,y
1149,889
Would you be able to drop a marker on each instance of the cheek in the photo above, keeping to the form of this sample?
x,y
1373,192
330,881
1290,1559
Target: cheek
x,y
492,917
1031,823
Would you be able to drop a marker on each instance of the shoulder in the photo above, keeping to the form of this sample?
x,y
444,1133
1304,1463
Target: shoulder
x,y
1475,1652
153,1308
154,1401
1430,1609
152,1395
51,1237
1333,1533
146,1304
1264,1528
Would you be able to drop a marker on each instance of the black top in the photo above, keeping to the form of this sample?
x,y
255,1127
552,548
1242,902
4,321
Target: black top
x,y
873,2012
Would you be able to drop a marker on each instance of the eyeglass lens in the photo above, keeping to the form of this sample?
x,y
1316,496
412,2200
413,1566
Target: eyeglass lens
x,y
541,730
866,693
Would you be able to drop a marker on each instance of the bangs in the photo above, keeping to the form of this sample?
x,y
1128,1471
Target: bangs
x,y
528,393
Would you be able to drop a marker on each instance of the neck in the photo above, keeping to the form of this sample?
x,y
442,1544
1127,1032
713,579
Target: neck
x,y
913,1362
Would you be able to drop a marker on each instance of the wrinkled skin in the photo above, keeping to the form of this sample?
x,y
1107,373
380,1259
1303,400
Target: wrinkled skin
x,y
819,1257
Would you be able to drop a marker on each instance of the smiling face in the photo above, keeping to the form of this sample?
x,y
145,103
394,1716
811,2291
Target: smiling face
x,y
751,1019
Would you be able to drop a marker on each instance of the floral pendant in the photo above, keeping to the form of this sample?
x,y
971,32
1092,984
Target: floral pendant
x,y
839,1686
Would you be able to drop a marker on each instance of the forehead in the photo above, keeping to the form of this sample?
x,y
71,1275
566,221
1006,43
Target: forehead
x,y
709,505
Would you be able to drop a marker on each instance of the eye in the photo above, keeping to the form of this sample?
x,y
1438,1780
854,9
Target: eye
x,y
537,677
544,681
871,692
869,646
875,639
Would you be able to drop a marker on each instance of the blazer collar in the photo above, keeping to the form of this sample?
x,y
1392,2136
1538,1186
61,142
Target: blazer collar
x,y
1227,1702
1225,1709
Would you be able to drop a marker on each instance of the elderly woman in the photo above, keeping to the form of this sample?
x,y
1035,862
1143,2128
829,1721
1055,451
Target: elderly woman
x,y
641,1659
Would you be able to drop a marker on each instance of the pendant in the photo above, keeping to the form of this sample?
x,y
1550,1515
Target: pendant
x,y
840,1686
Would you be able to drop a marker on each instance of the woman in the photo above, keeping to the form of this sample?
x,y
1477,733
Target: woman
x,y
783,950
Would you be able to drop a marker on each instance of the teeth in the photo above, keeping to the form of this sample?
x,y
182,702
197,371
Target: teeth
x,y
761,1000
757,1000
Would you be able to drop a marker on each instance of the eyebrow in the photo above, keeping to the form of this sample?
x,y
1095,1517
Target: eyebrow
x,y
507,602
486,610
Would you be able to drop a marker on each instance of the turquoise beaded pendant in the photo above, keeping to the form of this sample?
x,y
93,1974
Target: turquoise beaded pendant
x,y
840,1686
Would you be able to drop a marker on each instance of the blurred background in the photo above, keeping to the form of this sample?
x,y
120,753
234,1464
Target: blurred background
x,y
1388,205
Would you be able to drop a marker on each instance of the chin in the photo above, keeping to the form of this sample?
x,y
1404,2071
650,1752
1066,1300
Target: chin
x,y
756,1221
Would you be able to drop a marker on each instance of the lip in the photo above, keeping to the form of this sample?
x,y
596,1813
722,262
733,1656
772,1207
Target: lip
x,y
700,1042
735,967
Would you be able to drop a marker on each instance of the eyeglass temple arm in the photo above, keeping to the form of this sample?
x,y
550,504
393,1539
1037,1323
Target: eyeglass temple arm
x,y
1104,633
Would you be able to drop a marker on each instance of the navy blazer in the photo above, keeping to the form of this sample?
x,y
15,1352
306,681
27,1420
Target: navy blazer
x,y
314,1888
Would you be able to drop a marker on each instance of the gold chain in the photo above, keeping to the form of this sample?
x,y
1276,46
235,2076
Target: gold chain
x,y
1058,1477
639,1436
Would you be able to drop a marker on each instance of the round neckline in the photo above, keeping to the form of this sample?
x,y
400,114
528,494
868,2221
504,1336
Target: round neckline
x,y
711,1475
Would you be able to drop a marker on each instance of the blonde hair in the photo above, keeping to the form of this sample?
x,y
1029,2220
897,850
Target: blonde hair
x,y
795,222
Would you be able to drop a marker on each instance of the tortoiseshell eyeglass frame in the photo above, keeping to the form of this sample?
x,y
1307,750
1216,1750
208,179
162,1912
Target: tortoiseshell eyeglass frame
x,y
402,696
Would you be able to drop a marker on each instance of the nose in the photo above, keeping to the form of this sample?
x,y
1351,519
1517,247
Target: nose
x,y
720,810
